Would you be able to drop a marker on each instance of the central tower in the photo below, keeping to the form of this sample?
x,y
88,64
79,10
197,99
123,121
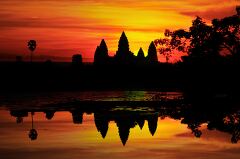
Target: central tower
x,y
123,54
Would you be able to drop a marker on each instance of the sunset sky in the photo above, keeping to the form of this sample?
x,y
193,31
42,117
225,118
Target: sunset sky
x,y
65,27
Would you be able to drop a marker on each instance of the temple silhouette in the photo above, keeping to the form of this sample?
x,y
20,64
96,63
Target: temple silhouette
x,y
211,64
123,55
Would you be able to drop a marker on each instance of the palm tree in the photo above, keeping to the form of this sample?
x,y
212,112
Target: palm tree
x,y
33,132
32,44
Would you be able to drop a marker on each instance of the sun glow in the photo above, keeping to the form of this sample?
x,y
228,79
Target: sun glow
x,y
67,27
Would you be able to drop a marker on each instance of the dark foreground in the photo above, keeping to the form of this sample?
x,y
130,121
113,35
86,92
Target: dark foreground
x,y
48,76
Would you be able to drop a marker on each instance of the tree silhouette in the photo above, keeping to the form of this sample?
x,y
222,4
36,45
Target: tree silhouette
x,y
33,132
32,44
203,42
200,36
172,43
152,54
228,30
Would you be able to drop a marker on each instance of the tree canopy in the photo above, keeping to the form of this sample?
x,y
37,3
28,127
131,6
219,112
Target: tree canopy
x,y
203,41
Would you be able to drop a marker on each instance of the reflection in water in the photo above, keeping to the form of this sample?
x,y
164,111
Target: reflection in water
x,y
101,123
96,125
126,118
19,115
33,132
49,114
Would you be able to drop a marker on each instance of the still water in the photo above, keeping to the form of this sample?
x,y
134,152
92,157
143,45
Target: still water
x,y
115,125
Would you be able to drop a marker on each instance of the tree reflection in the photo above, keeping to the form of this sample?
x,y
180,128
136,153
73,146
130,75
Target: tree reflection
x,y
224,120
33,132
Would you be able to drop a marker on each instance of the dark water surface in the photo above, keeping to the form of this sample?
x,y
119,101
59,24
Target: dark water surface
x,y
116,124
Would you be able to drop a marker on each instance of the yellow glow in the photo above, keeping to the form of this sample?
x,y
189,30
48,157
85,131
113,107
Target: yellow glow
x,y
62,28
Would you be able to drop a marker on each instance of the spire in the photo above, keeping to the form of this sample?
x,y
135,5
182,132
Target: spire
x,y
101,53
152,54
123,54
152,123
140,122
101,124
103,48
123,46
77,116
140,57
140,53
123,134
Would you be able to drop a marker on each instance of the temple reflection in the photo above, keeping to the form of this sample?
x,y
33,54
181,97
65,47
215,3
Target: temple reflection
x,y
19,115
101,123
126,118
49,114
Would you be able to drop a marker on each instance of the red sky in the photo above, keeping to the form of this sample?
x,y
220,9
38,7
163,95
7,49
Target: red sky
x,y
65,27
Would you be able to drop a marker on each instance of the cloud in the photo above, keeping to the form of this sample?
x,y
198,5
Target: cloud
x,y
212,13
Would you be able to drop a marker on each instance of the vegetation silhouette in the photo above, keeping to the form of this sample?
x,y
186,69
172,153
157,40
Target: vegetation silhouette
x,y
33,132
32,44
203,43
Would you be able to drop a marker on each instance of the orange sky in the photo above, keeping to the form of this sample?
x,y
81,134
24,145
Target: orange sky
x,y
62,28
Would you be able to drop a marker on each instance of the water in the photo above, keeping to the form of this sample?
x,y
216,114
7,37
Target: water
x,y
115,125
